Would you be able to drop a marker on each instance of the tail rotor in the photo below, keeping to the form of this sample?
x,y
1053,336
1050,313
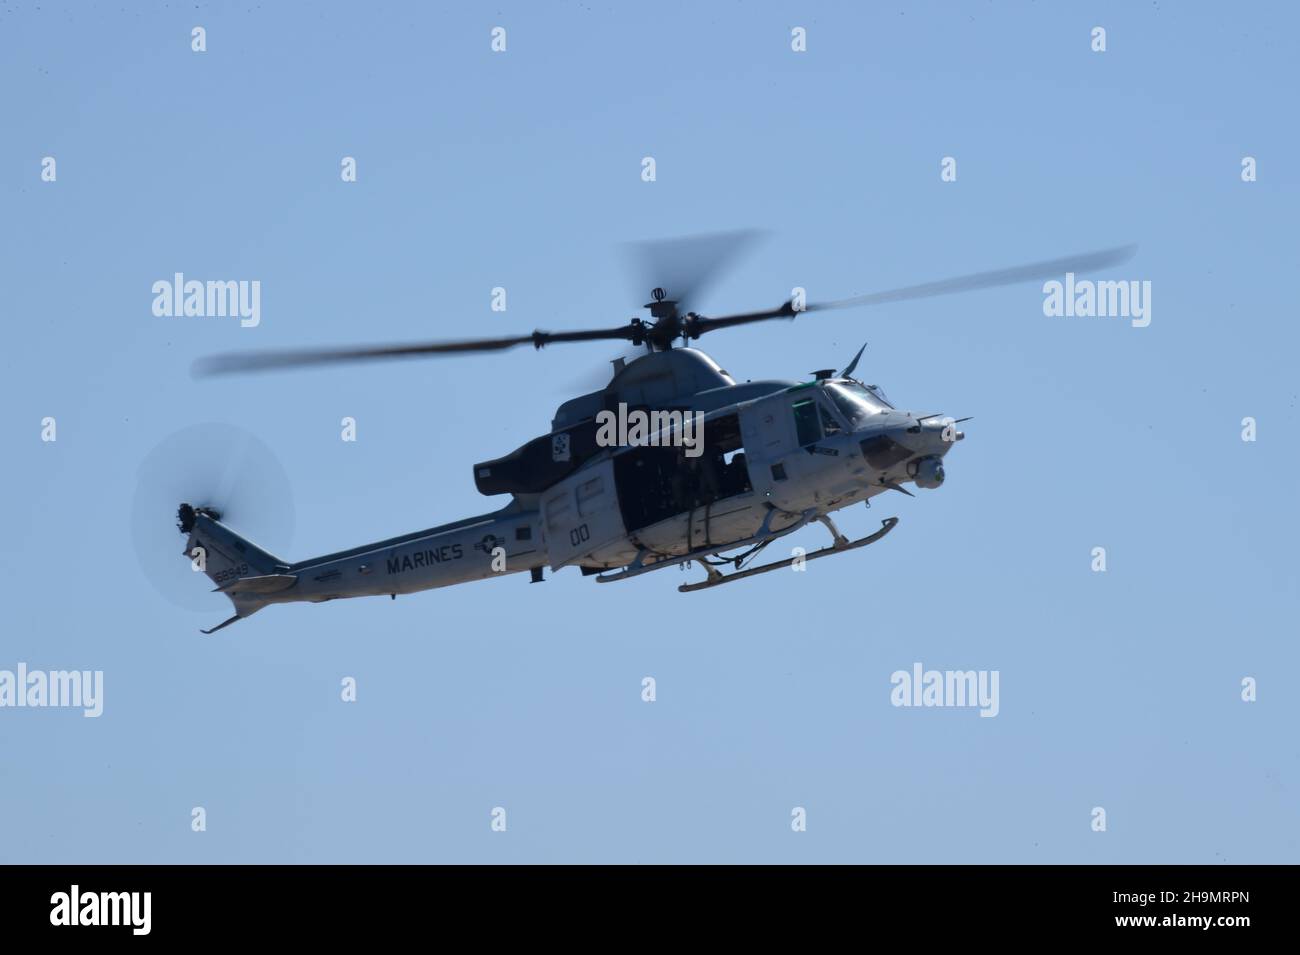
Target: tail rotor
x,y
215,470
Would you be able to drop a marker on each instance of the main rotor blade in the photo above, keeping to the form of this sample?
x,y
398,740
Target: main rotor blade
x,y
1088,262
249,361
685,267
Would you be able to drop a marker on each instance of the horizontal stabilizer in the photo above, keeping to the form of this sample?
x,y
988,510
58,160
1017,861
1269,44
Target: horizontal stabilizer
x,y
269,584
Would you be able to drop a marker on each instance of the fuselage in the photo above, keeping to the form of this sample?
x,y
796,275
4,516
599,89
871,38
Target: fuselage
x,y
773,454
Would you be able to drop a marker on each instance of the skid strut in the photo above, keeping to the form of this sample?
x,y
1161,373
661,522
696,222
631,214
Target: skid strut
x,y
842,544
764,536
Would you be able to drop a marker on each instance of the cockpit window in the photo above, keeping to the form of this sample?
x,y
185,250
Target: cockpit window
x,y
829,425
878,393
855,402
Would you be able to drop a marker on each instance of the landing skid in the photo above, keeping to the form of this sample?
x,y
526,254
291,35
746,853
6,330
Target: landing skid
x,y
647,561
717,578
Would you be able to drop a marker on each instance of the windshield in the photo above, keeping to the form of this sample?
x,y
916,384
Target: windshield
x,y
855,402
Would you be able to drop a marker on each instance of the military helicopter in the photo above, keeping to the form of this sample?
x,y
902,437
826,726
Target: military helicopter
x,y
671,462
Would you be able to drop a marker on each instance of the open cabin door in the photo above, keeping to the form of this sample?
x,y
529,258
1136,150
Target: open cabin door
x,y
581,515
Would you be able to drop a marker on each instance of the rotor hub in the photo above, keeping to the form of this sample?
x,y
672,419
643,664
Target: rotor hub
x,y
661,307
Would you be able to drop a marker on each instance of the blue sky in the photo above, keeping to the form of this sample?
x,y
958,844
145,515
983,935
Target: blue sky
x,y
522,169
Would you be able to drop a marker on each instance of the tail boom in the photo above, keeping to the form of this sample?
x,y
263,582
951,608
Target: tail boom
x,y
506,541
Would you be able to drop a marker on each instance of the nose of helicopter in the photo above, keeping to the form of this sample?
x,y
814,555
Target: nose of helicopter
x,y
929,439
933,436
909,448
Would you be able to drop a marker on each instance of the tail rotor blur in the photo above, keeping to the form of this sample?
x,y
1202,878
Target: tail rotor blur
x,y
217,468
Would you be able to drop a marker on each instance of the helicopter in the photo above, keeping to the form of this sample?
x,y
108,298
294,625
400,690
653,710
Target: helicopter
x,y
672,462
